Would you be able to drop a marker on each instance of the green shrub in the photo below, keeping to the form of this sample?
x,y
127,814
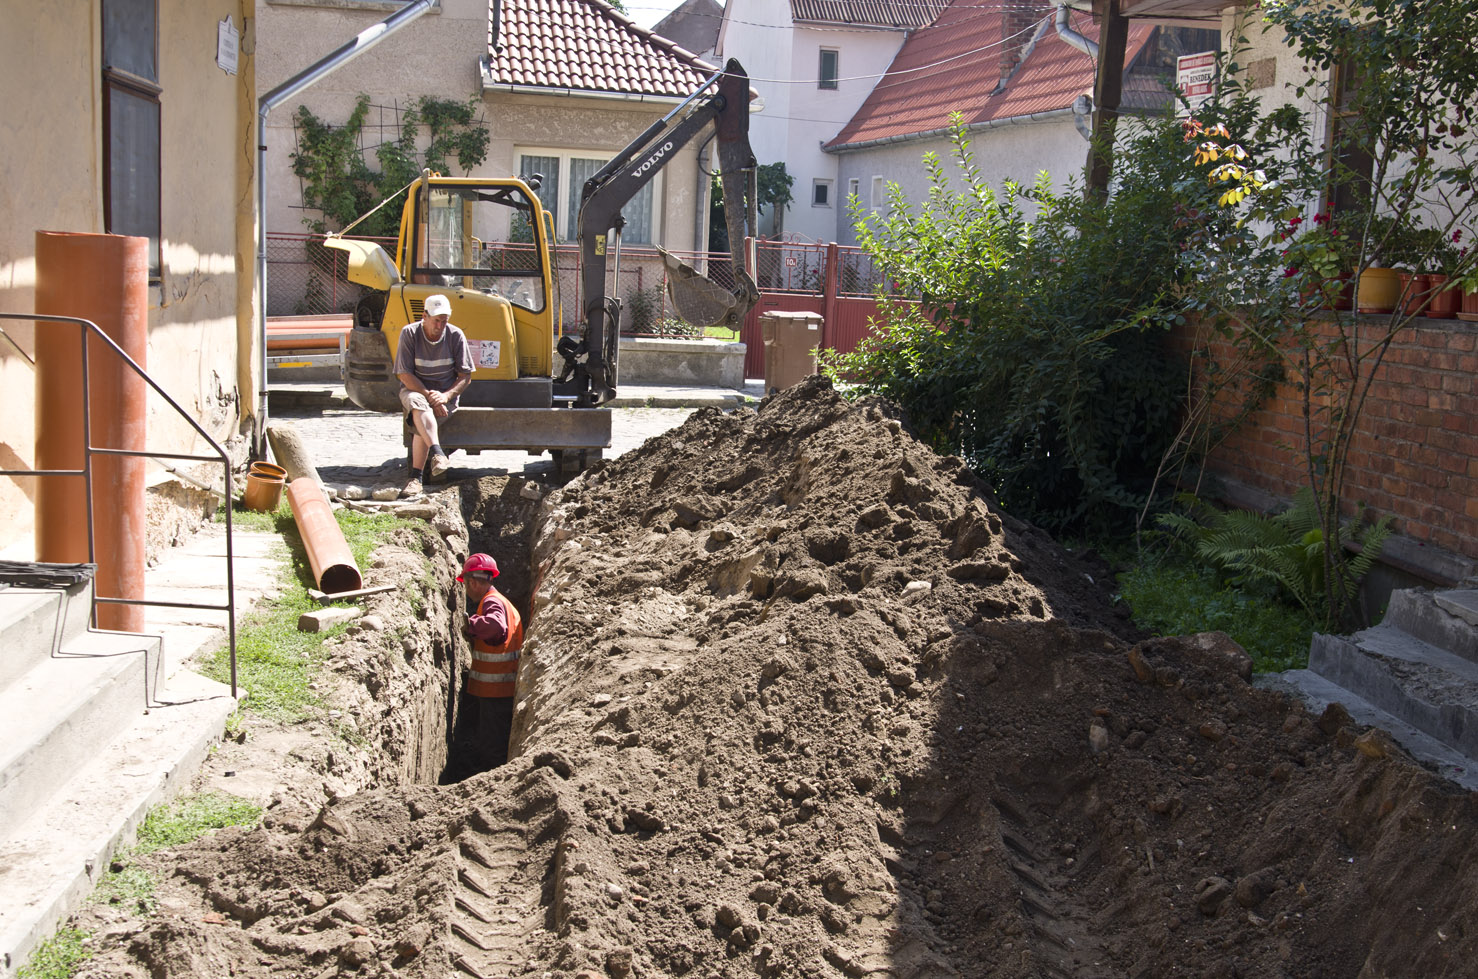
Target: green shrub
x,y
1037,351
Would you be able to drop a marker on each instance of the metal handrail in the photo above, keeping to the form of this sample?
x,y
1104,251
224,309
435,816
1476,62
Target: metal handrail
x,y
86,473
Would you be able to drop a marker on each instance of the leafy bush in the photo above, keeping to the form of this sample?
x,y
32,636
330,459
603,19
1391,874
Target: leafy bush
x,y
338,181
1037,352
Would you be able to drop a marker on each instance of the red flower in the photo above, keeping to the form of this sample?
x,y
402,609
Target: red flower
x,y
1295,222
1457,236
1290,272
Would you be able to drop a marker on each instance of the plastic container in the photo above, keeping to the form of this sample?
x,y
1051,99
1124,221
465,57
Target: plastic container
x,y
790,339
264,482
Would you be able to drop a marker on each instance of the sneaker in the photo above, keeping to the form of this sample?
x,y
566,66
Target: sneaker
x,y
412,488
439,466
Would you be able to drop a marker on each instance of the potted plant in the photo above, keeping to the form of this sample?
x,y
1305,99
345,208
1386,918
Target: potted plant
x,y
1391,243
1446,291
1409,249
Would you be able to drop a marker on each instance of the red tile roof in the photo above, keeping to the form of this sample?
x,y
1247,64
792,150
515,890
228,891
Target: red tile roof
x,y
870,13
953,65
585,45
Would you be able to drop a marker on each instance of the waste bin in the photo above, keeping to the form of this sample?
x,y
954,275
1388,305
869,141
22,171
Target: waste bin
x,y
790,341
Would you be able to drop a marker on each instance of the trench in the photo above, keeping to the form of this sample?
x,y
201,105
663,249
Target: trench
x,y
404,684
499,519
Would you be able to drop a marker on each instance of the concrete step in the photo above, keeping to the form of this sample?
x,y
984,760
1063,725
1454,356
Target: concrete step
x,y
65,709
52,860
35,622
1318,693
1433,690
1446,619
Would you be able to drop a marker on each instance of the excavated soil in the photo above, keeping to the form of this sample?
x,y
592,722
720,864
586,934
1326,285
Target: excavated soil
x,y
799,701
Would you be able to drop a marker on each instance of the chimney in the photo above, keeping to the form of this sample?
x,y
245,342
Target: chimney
x,y
1017,19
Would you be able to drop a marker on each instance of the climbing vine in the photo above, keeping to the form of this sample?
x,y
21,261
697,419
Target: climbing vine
x,y
338,181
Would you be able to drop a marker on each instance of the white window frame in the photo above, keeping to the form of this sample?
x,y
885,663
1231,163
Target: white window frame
x,y
821,183
561,218
854,189
879,194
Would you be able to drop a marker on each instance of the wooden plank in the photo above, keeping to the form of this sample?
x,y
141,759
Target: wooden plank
x,y
324,598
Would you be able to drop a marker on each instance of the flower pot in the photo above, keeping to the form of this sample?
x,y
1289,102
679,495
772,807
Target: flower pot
x,y
1445,301
1344,295
264,483
1469,310
1378,291
1416,288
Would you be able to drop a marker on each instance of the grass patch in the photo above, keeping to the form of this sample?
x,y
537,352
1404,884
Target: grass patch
x,y
130,886
274,660
191,816
1172,598
58,957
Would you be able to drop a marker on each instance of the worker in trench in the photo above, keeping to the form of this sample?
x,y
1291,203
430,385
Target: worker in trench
x,y
495,630
434,364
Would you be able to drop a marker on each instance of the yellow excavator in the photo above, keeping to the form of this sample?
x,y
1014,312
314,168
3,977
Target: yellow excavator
x,y
487,244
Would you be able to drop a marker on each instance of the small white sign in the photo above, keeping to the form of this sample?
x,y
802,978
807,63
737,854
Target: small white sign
x,y
1195,76
486,353
228,43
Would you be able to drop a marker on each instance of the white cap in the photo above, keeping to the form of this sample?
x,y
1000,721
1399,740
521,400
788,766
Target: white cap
x,y
438,305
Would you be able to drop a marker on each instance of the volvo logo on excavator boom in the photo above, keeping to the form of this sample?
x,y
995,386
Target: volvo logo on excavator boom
x,y
652,160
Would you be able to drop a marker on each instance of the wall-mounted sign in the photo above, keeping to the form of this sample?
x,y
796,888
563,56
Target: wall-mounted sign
x,y
228,43
1195,76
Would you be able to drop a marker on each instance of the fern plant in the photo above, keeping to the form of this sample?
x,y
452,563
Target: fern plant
x,y
1285,551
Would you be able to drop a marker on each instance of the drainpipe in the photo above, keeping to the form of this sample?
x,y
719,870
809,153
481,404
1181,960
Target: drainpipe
x,y
1071,36
345,53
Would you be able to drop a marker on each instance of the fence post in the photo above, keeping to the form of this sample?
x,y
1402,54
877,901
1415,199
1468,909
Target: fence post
x,y
829,290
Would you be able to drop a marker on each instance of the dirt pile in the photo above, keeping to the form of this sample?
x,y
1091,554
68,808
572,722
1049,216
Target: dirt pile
x,y
797,701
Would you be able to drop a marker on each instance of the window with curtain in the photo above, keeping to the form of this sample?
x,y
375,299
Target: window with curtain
x,y
564,180
548,168
131,120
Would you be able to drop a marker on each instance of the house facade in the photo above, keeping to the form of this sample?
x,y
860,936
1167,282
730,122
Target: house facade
x,y
813,63
131,117
1021,77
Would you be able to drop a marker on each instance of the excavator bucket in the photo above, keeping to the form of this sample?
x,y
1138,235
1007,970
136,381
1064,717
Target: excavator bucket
x,y
703,302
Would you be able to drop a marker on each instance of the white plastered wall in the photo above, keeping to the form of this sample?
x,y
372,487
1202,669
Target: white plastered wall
x,y
53,131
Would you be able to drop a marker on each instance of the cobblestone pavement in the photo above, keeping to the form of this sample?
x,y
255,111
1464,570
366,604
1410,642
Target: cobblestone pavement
x,y
351,447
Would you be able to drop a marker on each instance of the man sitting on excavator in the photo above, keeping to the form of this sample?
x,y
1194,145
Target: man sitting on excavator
x,y
434,365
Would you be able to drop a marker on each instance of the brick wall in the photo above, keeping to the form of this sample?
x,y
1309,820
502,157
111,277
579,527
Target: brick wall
x,y
1415,454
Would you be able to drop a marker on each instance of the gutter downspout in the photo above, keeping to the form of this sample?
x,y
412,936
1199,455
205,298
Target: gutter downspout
x,y
345,53
1065,31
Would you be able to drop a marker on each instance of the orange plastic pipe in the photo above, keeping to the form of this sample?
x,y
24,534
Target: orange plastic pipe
x,y
328,553
103,278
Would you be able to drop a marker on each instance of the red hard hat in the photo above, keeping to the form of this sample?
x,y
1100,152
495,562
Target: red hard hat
x,y
479,562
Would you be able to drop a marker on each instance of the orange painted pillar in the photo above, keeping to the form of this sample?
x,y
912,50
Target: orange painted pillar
x,y
103,278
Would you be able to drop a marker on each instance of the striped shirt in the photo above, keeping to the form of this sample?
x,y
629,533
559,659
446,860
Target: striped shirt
x,y
437,364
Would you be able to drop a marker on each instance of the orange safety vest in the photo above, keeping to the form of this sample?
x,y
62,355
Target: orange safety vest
x,y
495,668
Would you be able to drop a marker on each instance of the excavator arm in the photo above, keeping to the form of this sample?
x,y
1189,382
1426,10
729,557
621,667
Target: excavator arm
x,y
590,359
